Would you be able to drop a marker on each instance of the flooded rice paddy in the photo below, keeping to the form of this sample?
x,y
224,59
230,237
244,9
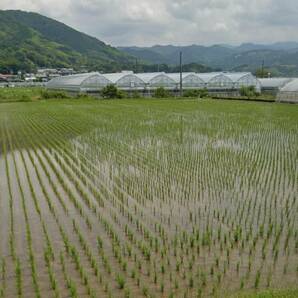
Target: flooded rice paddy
x,y
147,198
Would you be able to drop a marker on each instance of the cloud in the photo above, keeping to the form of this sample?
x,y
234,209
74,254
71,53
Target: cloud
x,y
147,22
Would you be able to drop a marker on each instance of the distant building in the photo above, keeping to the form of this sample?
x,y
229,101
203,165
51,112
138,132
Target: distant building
x,y
3,78
46,74
30,77
9,78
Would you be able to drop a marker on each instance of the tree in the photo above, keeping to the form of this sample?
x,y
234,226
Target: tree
x,y
161,93
262,73
111,91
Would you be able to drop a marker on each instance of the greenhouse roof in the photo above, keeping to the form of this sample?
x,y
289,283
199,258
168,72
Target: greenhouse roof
x,y
72,80
236,76
292,86
274,82
147,77
115,77
206,77
176,76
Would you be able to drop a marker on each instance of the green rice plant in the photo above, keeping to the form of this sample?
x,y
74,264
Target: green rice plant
x,y
257,280
19,278
72,289
162,287
127,293
191,282
145,291
120,281
241,284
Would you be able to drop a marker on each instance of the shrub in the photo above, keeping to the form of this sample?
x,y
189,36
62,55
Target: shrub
x,y
248,92
46,94
196,93
82,96
111,91
161,93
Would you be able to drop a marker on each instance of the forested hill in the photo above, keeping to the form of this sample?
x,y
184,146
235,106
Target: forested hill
x,y
29,40
280,59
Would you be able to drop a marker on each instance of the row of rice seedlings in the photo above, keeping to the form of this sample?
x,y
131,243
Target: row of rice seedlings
x,y
128,214
71,250
122,195
71,285
64,237
17,263
49,250
11,210
49,258
3,278
119,257
28,229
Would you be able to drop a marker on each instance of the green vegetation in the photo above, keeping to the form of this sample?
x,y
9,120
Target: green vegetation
x,y
30,40
201,93
248,92
280,60
20,94
161,93
148,198
111,91
48,94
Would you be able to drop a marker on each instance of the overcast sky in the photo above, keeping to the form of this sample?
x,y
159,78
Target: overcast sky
x,y
179,22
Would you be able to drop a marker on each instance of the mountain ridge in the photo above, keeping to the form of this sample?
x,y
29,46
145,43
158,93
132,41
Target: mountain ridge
x,y
280,58
29,40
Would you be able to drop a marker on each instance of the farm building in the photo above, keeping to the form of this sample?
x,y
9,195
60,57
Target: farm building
x,y
289,92
127,80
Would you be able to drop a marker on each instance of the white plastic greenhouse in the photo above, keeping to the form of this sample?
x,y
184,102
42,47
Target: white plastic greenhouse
x,y
86,82
289,93
274,84
127,80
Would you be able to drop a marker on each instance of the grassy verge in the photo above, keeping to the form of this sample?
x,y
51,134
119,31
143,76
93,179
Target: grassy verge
x,y
19,94
34,94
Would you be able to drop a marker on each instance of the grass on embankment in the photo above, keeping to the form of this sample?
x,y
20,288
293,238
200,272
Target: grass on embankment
x,y
19,94
25,94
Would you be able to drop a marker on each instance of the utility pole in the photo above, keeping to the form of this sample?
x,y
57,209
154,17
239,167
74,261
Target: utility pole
x,y
136,71
181,87
263,63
